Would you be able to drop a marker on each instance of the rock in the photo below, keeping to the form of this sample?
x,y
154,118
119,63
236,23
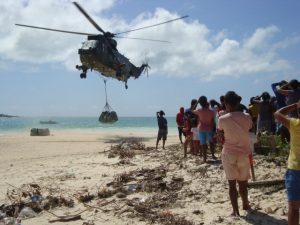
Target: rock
x,y
39,132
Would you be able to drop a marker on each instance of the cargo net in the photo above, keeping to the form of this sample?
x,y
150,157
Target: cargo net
x,y
108,115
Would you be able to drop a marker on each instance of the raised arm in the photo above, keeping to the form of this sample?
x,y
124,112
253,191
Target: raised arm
x,y
274,86
284,89
193,108
257,99
281,114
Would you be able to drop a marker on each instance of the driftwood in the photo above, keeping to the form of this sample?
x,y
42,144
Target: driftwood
x,y
265,183
66,219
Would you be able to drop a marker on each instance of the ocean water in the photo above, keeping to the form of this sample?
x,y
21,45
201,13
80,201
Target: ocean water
x,y
24,124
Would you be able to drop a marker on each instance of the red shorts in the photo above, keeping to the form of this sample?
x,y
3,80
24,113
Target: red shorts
x,y
195,142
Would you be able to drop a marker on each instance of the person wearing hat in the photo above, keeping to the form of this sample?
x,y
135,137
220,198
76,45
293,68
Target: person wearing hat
x,y
162,128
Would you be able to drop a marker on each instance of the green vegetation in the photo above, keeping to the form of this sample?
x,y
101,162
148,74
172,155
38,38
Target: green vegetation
x,y
271,144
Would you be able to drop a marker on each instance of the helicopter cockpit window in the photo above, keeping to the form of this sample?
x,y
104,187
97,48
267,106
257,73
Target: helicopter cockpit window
x,y
89,44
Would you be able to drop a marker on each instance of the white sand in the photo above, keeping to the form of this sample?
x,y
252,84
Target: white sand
x,y
70,162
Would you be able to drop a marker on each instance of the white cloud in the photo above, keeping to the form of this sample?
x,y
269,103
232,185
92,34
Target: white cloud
x,y
195,50
260,38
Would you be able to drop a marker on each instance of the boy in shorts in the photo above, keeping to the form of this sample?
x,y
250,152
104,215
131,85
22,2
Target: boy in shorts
x,y
235,126
292,176
196,141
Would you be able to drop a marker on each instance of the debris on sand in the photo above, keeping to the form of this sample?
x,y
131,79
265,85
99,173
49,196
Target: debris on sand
x,y
126,149
162,188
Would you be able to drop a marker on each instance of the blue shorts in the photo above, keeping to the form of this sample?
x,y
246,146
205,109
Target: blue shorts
x,y
205,136
292,184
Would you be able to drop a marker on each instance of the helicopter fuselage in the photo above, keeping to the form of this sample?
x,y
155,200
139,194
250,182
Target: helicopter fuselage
x,y
100,53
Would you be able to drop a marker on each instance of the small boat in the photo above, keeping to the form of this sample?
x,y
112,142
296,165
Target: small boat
x,y
48,122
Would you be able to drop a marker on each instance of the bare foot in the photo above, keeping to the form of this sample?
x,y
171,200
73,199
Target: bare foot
x,y
246,207
234,214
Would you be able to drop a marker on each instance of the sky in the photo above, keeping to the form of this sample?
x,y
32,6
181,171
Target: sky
x,y
239,45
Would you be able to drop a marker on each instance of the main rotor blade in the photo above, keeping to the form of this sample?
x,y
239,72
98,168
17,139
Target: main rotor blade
x,y
144,39
50,29
154,25
88,17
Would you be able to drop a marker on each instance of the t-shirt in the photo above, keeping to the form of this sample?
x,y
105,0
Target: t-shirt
x,y
253,109
162,123
195,132
294,156
236,127
205,119
180,119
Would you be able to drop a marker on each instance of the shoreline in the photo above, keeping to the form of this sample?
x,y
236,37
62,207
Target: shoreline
x,y
100,130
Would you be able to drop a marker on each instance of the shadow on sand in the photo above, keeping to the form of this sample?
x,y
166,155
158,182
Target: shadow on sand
x,y
215,162
258,217
120,139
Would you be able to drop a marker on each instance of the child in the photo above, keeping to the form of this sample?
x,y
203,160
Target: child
x,y
188,134
196,141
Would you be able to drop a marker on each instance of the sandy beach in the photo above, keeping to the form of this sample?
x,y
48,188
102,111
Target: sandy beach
x,y
147,186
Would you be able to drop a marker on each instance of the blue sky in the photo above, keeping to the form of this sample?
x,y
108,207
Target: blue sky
x,y
238,45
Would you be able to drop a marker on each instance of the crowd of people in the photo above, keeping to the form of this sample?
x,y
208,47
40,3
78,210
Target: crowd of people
x,y
228,123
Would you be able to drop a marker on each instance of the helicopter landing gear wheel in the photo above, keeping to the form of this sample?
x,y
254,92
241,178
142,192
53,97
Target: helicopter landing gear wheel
x,y
83,75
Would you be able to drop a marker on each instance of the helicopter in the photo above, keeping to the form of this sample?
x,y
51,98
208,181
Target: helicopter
x,y
99,52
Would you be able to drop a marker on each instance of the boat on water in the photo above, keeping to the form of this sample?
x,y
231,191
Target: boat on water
x,y
48,122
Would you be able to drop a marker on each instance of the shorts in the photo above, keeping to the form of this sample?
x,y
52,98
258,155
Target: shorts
x,y
196,142
236,167
162,134
205,136
180,131
292,184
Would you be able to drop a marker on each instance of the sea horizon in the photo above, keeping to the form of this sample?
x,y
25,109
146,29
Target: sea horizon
x,y
145,124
